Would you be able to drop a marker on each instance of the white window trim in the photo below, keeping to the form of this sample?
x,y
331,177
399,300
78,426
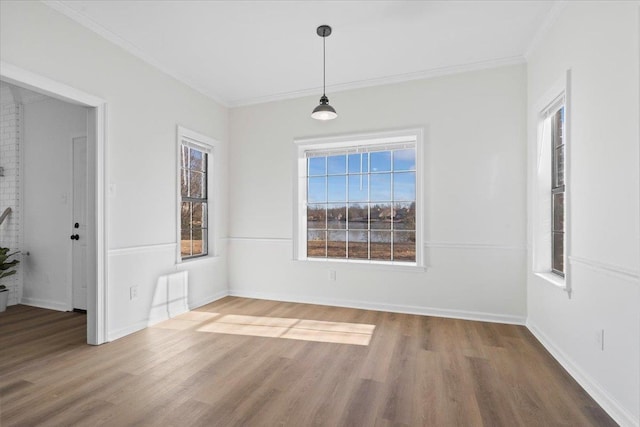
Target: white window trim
x,y
558,95
206,144
299,191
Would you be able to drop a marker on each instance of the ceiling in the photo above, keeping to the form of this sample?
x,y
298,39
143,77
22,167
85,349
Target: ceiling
x,y
244,52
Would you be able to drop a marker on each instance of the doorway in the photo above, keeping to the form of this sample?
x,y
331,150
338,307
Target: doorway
x,y
94,243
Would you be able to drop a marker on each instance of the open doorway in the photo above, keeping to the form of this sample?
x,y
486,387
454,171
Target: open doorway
x,y
61,196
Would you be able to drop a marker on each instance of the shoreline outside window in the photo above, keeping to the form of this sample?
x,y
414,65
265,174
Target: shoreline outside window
x,y
359,199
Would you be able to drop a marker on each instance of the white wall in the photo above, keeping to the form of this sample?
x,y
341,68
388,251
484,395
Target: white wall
x,y
10,118
144,106
475,149
49,127
599,43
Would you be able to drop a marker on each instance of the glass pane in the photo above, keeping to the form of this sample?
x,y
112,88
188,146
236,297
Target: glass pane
x,y
404,160
337,164
358,163
197,185
381,214
404,186
316,216
380,161
358,188
558,167
558,131
558,252
381,245
337,191
185,243
558,212
404,246
199,215
404,216
185,216
358,245
358,216
184,182
380,187
337,216
197,159
184,156
316,244
197,242
317,166
317,190
337,244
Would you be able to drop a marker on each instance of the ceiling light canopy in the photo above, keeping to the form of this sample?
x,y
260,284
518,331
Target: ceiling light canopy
x,y
324,111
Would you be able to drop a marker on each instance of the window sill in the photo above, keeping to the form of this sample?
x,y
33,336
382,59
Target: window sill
x,y
553,279
197,260
372,265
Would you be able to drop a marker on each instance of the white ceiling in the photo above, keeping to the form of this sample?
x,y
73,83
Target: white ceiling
x,y
242,52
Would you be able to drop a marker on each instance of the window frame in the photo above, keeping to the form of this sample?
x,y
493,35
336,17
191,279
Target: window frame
x,y
301,146
541,207
189,138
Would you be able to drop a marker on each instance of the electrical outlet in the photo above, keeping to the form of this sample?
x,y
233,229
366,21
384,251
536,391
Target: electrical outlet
x,y
133,292
332,275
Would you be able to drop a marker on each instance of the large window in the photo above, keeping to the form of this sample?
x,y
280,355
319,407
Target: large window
x,y
193,199
557,191
359,200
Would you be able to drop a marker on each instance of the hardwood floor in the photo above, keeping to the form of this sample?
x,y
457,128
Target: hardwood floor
x,y
244,362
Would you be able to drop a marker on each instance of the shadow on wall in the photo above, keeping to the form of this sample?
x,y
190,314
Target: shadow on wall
x,y
170,298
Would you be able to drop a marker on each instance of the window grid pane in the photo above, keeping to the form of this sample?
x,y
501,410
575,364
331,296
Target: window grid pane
x,y
355,203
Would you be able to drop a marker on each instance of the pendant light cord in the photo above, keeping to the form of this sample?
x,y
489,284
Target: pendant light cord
x,y
324,63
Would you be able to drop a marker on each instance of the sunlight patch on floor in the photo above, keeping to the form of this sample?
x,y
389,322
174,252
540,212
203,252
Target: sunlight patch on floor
x,y
273,327
189,320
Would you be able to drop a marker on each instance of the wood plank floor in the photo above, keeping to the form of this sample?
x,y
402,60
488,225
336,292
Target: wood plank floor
x,y
244,362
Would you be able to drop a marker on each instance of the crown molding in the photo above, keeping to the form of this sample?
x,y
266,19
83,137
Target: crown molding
x,y
398,78
87,22
549,20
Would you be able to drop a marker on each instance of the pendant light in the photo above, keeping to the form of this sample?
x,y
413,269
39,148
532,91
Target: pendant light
x,y
324,111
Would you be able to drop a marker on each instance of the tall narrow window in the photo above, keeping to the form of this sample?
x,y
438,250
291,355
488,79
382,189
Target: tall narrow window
x,y
359,200
557,192
194,201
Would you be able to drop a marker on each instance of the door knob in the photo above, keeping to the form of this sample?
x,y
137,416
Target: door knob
x,y
75,237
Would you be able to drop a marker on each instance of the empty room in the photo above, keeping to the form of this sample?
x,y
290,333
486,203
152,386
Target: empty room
x,y
331,213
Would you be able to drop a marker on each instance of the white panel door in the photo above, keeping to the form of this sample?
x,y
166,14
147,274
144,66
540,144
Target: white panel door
x,y
79,224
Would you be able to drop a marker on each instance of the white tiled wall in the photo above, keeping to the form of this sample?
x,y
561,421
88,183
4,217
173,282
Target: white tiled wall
x,y
10,118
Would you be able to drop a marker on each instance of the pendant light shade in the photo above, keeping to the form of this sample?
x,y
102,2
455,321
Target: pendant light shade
x,y
324,111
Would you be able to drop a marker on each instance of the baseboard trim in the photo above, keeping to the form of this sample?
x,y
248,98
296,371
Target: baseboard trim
x,y
393,308
41,303
595,390
209,299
